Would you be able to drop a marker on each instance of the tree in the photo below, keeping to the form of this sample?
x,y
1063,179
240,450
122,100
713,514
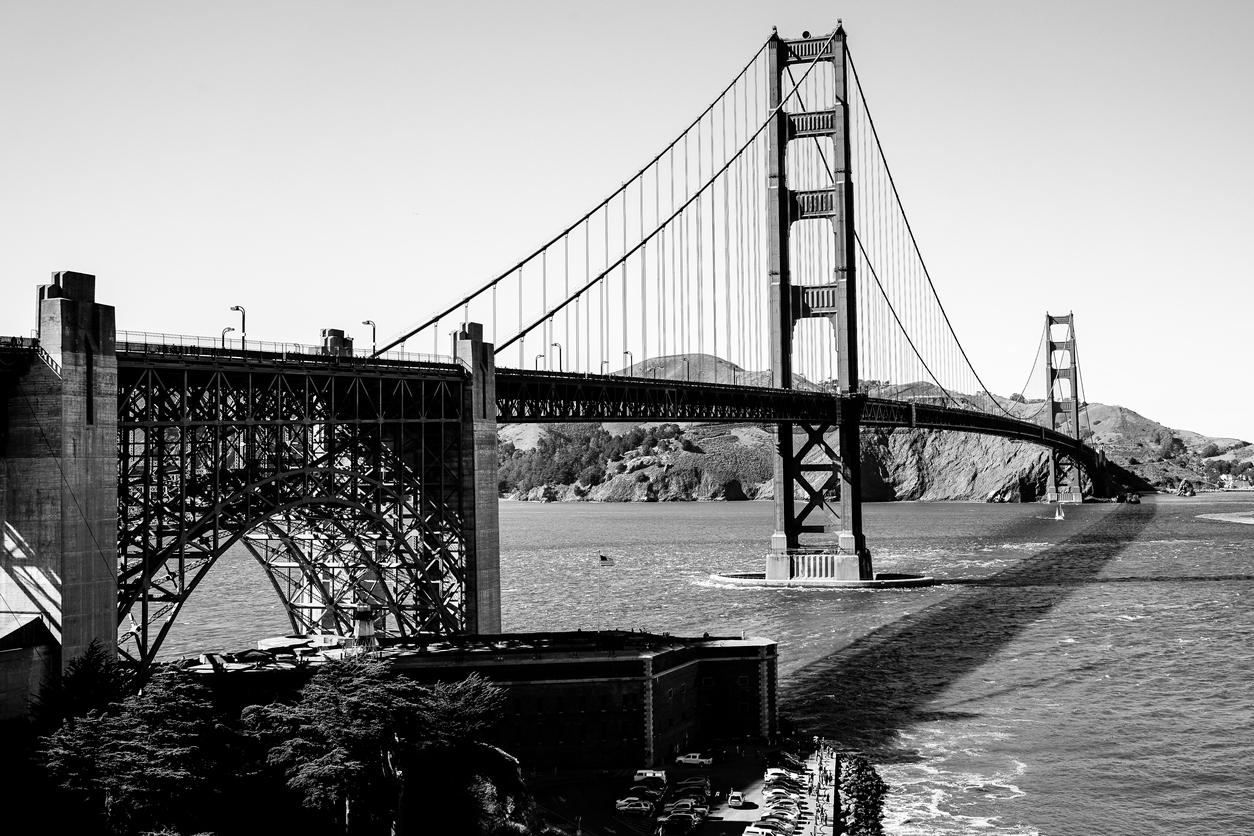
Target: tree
x,y
336,744
91,682
339,743
1211,449
452,713
140,764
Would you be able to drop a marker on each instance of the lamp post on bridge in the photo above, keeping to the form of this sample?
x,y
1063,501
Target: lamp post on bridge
x,y
373,332
224,330
538,358
243,325
687,376
558,346
604,363
631,363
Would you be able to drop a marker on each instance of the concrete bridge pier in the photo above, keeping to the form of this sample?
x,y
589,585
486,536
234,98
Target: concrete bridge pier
x,y
59,479
481,522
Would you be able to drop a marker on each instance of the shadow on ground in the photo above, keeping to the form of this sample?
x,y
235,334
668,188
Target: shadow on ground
x,y
864,692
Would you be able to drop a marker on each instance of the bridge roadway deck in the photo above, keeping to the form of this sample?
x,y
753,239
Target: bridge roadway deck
x,y
525,396
549,397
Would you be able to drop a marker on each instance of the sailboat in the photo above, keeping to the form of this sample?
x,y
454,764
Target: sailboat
x,y
606,561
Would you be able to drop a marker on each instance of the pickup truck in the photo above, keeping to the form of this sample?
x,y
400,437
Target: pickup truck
x,y
695,759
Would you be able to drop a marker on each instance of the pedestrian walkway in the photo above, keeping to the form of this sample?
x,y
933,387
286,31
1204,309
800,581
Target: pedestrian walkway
x,y
823,790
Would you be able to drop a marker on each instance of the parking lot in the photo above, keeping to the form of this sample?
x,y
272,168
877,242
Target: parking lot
x,y
584,801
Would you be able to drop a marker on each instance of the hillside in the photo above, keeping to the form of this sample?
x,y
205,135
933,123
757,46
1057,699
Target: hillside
x,y
668,462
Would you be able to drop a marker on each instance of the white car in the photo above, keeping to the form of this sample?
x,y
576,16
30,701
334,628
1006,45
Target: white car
x,y
695,759
776,772
735,798
784,806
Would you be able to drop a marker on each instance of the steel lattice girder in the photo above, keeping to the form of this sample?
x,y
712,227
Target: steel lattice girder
x,y
526,397
349,477
810,459
540,397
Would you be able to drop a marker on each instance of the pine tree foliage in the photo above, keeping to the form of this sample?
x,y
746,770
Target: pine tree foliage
x,y
92,681
339,744
139,764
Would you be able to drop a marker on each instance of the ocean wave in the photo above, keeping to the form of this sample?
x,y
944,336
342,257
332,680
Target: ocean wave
x,y
1244,518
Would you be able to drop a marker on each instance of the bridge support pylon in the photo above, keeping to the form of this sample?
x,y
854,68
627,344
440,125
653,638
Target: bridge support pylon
x,y
1063,401
809,467
59,477
479,468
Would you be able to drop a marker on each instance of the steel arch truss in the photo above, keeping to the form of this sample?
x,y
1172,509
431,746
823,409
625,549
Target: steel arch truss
x,y
345,483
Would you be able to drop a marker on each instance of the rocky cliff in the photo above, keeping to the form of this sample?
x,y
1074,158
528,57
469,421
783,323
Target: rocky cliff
x,y
734,463
661,463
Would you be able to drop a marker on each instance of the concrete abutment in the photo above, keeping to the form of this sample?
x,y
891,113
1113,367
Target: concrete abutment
x,y
59,477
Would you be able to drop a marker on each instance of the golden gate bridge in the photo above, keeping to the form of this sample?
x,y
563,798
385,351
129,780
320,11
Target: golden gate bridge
x,y
765,252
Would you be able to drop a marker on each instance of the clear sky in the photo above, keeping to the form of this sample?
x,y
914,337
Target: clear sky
x,y
325,163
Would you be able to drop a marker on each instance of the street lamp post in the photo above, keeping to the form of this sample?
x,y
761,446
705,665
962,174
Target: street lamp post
x,y
558,346
631,363
686,375
538,358
243,325
224,330
373,343
604,363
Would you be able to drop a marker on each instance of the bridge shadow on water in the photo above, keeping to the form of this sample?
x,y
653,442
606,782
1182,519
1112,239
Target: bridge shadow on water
x,y
861,694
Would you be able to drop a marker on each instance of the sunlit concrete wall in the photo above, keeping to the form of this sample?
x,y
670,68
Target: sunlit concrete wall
x,y
58,492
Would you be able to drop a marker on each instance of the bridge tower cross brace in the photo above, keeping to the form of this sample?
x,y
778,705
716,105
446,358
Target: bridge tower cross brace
x,y
1064,407
793,467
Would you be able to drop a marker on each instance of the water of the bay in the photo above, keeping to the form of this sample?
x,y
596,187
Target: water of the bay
x,y
1076,676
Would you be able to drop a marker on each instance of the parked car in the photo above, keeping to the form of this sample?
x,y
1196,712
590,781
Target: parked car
x,y
779,828
641,774
785,806
695,781
695,759
646,791
735,798
678,825
634,806
775,815
776,772
786,784
690,820
688,805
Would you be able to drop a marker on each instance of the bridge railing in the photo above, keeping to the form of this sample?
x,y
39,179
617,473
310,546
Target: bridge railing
x,y
151,342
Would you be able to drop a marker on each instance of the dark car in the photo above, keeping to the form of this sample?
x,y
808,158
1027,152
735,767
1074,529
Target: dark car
x,y
674,824
690,792
689,821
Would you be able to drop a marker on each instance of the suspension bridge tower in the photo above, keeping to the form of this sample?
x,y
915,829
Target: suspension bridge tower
x,y
805,473
1063,402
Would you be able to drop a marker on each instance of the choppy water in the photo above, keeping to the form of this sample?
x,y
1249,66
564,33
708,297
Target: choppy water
x,y
1083,676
